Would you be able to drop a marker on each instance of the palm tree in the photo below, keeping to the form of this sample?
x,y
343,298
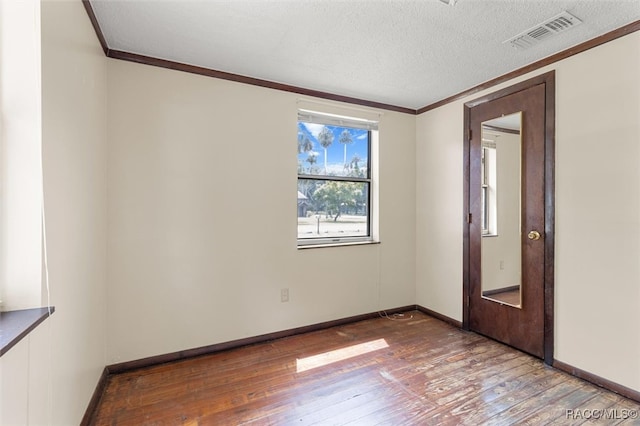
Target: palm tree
x,y
304,144
307,145
354,164
300,138
345,139
325,137
311,159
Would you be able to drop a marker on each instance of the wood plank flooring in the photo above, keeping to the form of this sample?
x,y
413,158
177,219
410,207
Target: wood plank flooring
x,y
510,297
410,370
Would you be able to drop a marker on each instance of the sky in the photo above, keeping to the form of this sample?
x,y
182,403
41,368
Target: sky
x,y
335,152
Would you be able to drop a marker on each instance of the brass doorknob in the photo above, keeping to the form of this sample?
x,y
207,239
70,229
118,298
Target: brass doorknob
x,y
534,235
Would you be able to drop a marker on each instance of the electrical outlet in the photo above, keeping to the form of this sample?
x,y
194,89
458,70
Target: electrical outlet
x,y
502,265
284,295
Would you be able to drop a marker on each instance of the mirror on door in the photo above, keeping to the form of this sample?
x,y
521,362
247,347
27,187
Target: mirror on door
x,y
501,210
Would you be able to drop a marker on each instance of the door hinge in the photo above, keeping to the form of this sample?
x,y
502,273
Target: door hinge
x,y
469,218
469,133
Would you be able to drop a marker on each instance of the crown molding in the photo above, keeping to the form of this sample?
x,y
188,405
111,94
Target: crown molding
x,y
582,47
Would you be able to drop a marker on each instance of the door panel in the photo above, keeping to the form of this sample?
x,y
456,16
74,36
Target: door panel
x,y
517,324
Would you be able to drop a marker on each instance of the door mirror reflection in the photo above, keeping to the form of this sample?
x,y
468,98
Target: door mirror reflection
x,y
501,178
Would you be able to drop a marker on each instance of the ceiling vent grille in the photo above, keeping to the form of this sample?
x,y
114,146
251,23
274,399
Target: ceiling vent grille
x,y
544,30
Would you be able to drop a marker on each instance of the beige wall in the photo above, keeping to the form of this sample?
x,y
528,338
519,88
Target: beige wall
x,y
74,155
597,296
49,377
202,223
439,210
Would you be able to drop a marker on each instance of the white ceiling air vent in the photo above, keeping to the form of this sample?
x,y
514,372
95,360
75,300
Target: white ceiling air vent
x,y
544,30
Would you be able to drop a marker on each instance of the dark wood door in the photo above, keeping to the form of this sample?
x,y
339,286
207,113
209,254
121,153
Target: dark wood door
x,y
522,326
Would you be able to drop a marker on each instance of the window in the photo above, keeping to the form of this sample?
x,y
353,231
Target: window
x,y
334,178
485,190
489,181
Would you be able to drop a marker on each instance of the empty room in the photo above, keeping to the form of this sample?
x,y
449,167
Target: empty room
x,y
155,267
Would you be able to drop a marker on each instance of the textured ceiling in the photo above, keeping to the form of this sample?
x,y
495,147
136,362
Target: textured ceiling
x,y
407,53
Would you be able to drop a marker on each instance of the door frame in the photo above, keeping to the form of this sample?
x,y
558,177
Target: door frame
x,y
548,79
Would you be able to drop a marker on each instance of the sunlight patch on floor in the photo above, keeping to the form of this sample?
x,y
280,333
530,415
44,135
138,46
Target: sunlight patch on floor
x,y
326,358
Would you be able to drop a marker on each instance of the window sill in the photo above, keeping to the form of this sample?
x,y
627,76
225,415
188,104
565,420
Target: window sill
x,y
342,244
16,325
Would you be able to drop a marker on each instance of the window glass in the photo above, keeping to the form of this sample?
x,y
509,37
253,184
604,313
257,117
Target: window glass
x,y
332,209
332,150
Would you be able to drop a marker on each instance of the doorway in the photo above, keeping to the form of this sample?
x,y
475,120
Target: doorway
x,y
509,216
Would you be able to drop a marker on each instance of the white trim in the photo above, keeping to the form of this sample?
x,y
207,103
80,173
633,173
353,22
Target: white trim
x,y
309,116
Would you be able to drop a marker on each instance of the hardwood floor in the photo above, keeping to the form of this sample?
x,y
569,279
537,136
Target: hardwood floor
x,y
412,370
510,297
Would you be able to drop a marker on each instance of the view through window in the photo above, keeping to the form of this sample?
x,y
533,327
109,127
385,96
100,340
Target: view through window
x,y
334,179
